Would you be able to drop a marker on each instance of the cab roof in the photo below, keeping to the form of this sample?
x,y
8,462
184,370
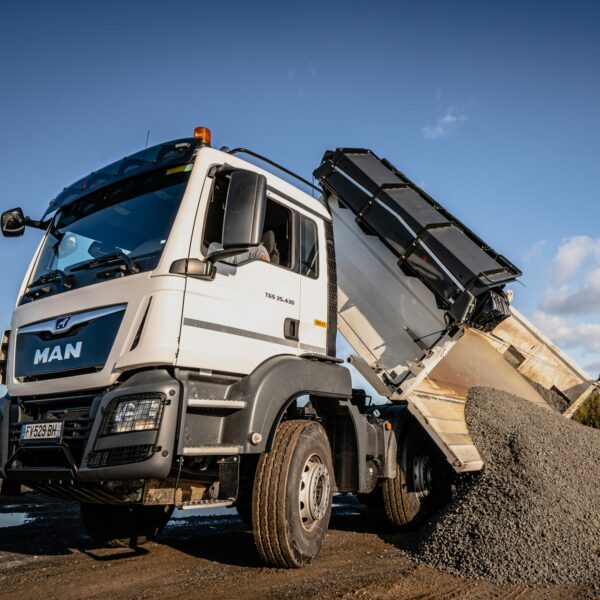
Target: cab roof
x,y
170,154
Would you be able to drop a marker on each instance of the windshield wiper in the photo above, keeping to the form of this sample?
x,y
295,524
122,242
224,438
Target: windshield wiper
x,y
51,277
115,257
43,284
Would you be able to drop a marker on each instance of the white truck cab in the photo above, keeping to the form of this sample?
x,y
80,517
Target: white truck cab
x,y
178,304
150,313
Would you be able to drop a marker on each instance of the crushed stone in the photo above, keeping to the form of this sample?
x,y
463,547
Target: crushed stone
x,y
533,514
556,401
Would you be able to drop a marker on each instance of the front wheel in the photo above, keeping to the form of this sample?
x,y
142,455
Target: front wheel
x,y
291,502
123,525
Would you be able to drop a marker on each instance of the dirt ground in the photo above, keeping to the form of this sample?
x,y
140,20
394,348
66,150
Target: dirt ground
x,y
49,556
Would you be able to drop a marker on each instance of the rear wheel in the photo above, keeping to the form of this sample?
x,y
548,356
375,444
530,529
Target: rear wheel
x,y
292,495
123,525
423,479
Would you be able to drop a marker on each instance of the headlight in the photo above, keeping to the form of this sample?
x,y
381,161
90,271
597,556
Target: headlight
x,y
139,412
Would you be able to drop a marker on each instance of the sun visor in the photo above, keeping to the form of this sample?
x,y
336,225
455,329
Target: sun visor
x,y
169,154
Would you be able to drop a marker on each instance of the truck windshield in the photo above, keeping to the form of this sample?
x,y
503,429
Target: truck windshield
x,y
122,227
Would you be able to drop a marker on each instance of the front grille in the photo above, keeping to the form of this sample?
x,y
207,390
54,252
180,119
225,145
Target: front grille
x,y
72,373
42,352
120,456
74,410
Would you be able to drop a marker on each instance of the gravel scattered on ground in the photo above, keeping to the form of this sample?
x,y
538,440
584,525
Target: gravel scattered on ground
x,y
533,514
556,401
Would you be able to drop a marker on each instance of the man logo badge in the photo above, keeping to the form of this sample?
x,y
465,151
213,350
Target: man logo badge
x,y
57,353
62,323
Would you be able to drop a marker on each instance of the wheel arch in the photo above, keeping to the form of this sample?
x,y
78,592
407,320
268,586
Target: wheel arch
x,y
271,389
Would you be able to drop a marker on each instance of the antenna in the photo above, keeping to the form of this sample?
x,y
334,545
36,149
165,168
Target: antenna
x,y
147,138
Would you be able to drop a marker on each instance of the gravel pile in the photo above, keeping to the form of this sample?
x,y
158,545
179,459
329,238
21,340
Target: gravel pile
x,y
533,515
554,399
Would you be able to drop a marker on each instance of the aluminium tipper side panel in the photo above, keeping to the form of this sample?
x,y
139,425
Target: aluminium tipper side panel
x,y
377,302
428,243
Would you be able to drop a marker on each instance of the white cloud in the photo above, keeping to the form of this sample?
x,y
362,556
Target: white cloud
x,y
567,333
573,290
535,251
568,300
445,124
571,254
574,286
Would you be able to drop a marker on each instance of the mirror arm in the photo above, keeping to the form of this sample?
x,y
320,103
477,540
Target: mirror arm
x,y
36,224
44,225
218,255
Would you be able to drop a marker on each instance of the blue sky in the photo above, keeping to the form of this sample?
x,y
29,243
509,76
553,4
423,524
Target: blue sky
x,y
493,108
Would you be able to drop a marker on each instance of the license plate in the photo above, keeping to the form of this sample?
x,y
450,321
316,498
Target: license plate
x,y
47,431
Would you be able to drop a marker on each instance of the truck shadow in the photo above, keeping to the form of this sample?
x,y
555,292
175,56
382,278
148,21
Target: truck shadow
x,y
227,540
224,539
34,525
351,516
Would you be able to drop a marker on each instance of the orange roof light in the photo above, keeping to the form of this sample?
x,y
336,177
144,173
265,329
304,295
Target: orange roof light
x,y
202,134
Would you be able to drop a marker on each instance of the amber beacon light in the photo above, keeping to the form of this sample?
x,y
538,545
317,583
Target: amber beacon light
x,y
202,134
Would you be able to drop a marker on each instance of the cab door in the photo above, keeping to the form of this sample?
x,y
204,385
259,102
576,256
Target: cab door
x,y
312,261
251,310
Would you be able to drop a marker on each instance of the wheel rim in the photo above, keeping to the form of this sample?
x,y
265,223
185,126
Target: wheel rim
x,y
422,474
315,491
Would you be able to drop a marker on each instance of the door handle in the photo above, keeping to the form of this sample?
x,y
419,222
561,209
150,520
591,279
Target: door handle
x,y
291,329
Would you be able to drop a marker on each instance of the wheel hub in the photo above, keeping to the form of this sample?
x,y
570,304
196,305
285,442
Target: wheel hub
x,y
422,475
315,490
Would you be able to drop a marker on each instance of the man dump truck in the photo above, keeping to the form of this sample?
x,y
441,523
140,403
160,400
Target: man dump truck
x,y
174,344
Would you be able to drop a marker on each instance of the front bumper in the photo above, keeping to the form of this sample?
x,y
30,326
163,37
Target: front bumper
x,y
83,454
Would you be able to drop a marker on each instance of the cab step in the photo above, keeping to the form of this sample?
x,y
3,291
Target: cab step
x,y
211,450
214,503
216,403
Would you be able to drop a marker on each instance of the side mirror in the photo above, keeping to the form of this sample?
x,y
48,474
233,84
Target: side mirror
x,y
245,208
193,267
13,223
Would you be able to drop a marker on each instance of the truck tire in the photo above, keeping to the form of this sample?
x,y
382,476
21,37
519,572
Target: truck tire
x,y
291,503
123,525
423,479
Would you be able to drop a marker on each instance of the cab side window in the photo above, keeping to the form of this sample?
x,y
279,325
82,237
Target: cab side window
x,y
309,248
277,234
277,237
